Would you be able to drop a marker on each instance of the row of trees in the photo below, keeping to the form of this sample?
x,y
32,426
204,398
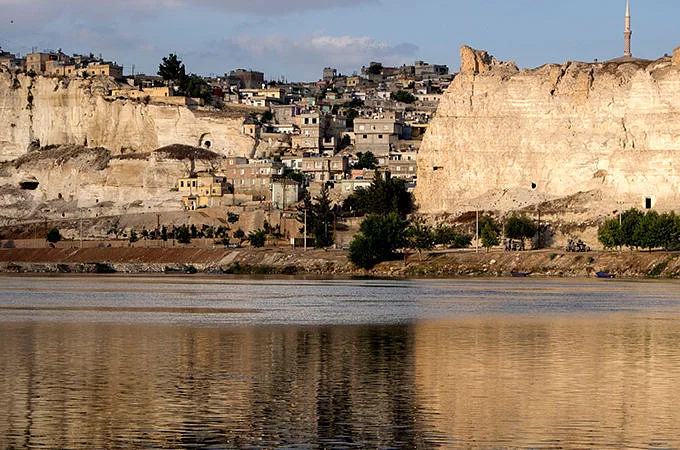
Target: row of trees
x,y
635,229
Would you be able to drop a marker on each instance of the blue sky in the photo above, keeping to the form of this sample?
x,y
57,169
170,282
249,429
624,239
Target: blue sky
x,y
295,39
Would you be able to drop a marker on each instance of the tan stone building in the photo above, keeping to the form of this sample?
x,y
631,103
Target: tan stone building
x,y
377,134
202,190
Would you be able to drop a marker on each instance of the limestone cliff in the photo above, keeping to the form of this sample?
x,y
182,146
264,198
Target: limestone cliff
x,y
503,138
74,181
62,111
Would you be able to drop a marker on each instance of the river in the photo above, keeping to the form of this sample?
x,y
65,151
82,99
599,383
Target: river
x,y
226,362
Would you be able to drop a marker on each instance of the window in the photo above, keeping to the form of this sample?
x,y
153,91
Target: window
x,y
181,184
648,203
380,136
306,120
365,136
314,120
193,183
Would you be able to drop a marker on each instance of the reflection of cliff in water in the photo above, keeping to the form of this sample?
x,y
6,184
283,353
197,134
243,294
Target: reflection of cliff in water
x,y
158,386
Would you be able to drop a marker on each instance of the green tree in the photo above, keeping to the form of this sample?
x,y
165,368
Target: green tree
x,y
375,68
403,97
232,217
420,237
319,217
383,196
520,227
267,116
380,236
629,224
366,161
257,238
164,233
490,236
195,86
133,236
171,69
183,235
53,236
610,235
240,235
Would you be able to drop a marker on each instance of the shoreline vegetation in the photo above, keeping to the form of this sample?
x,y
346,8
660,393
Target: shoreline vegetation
x,y
466,263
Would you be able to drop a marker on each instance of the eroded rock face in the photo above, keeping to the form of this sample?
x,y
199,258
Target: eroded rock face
x,y
54,111
503,140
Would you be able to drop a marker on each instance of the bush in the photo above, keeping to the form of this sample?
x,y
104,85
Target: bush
x,y
53,236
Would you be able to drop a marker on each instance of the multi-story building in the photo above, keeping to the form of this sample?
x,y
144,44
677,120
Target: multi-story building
x,y
377,134
325,168
36,62
202,190
312,127
249,78
424,70
9,60
329,74
254,177
403,165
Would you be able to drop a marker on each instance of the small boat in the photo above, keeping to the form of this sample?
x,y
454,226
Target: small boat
x,y
519,274
605,275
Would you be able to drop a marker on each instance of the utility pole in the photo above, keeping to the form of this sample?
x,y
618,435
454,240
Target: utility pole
x,y
305,235
477,230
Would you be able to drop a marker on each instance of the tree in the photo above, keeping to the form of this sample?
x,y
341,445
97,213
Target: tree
x,y
133,236
610,234
403,97
171,68
240,235
53,236
257,238
195,86
366,161
232,217
420,237
629,223
319,218
519,227
380,236
267,116
383,196
375,68
490,236
183,235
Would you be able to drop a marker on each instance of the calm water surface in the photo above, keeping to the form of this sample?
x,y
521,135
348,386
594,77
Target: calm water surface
x,y
213,362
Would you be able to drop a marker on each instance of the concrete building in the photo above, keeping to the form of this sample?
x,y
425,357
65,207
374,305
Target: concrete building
x,y
285,193
249,78
202,190
323,168
378,134
253,178
329,74
424,70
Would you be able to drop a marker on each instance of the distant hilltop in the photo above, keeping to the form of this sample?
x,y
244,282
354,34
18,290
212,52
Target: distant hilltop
x,y
597,137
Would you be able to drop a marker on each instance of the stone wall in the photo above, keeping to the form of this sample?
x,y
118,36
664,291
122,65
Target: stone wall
x,y
504,139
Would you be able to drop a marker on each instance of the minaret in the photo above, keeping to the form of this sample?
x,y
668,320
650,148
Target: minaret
x,y
627,32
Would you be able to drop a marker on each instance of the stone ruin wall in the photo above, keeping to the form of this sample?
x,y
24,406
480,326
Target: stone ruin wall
x,y
504,139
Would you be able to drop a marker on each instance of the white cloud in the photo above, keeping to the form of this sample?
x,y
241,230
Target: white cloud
x,y
309,54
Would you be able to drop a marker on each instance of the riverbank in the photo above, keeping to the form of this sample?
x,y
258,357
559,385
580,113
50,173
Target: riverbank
x,y
456,263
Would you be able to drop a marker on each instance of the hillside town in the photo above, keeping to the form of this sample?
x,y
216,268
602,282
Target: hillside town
x,y
340,131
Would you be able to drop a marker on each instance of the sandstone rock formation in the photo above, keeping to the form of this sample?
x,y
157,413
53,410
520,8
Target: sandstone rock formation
x,y
62,111
74,181
503,140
